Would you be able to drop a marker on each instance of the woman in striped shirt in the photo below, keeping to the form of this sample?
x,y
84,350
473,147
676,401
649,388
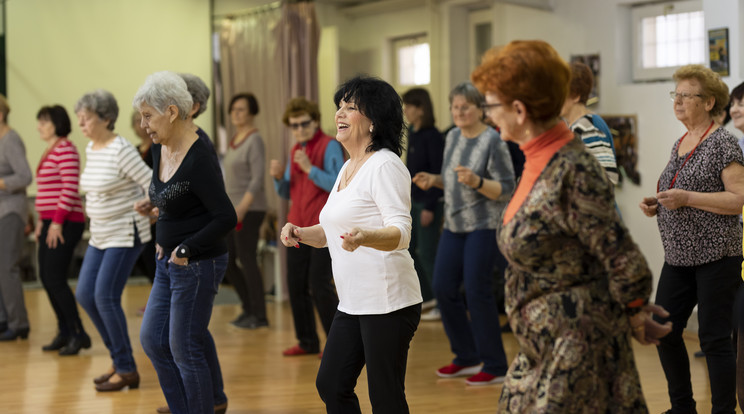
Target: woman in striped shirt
x,y
114,178
60,226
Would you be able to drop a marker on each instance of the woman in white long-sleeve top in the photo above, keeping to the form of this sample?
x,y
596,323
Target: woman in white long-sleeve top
x,y
366,224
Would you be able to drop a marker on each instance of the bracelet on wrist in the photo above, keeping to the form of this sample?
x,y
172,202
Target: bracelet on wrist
x,y
480,184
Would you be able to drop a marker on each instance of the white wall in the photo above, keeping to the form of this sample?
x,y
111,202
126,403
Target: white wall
x,y
572,27
59,50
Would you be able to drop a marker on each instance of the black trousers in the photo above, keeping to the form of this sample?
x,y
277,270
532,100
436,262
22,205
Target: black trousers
x,y
310,280
712,287
379,341
739,335
53,267
246,278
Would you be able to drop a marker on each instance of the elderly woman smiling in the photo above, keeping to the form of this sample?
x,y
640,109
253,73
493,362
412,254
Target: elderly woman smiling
x,y
699,196
195,216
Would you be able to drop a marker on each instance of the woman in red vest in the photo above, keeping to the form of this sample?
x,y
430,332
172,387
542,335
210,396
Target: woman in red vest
x,y
314,163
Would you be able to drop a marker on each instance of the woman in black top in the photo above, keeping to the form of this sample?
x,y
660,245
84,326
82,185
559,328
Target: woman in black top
x,y
195,216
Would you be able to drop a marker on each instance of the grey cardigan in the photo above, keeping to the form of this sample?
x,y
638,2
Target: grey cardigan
x,y
15,171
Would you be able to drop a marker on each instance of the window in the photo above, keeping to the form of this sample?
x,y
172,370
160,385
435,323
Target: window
x,y
665,37
412,62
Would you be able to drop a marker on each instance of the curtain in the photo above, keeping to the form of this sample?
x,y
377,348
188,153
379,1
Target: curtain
x,y
271,52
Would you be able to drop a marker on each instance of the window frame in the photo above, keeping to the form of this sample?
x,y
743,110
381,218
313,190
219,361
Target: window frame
x,y
396,44
643,11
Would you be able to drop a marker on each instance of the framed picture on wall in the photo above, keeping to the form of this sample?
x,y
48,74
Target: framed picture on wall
x,y
625,138
718,49
593,62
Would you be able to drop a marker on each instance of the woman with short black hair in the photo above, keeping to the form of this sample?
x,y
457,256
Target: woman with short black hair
x,y
60,226
366,225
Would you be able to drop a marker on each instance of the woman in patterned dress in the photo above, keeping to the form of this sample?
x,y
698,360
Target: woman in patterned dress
x,y
699,197
576,285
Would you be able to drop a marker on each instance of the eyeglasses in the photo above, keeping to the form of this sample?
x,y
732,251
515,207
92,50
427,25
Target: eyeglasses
x,y
303,124
488,106
684,95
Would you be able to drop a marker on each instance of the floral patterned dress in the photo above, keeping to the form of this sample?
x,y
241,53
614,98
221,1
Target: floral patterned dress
x,y
573,267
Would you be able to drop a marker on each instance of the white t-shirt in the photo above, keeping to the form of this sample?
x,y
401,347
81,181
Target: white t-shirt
x,y
370,281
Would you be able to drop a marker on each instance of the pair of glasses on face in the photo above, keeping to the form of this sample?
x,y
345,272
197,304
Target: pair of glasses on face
x,y
489,106
683,95
303,124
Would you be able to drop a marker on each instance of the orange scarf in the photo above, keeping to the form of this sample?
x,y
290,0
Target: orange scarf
x,y
537,153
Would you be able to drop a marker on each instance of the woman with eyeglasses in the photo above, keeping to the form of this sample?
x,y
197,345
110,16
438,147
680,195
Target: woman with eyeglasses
x,y
576,284
478,179
244,164
699,196
312,168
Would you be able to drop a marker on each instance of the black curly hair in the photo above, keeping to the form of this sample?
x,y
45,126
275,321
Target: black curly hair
x,y
379,102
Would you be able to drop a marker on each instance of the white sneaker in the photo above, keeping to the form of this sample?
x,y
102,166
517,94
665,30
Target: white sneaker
x,y
433,315
428,304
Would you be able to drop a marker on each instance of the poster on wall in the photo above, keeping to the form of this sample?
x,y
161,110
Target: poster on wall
x,y
593,62
625,138
718,49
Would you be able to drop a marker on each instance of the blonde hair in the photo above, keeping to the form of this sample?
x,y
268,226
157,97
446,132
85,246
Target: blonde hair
x,y
710,82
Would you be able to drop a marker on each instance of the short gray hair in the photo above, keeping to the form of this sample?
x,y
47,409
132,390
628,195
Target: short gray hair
x,y
198,90
162,89
102,103
469,92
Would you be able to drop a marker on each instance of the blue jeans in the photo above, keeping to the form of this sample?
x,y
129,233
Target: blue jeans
x,y
102,278
174,334
468,258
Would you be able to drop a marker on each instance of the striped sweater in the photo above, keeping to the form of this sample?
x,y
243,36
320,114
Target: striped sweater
x,y
57,179
113,179
598,144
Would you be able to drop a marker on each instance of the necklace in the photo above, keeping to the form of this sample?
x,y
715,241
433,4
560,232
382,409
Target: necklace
x,y
349,176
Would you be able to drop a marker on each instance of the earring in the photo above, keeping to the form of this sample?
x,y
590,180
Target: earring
x,y
370,130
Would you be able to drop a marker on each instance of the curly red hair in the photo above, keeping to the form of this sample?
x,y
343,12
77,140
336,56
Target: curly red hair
x,y
529,71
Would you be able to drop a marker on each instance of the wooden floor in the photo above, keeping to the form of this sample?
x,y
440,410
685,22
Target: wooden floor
x,y
257,378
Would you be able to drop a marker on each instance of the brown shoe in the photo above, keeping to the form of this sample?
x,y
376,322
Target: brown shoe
x,y
130,380
218,409
105,377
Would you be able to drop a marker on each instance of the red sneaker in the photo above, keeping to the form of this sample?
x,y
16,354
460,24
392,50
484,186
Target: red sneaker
x,y
484,378
295,351
452,370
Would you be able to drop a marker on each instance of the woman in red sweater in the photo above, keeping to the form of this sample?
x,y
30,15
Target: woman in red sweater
x,y
60,226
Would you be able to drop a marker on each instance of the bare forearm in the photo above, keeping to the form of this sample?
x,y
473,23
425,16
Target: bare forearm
x,y
386,239
313,236
724,202
245,204
491,189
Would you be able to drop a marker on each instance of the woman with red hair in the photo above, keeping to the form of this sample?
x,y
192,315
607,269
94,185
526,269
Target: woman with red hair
x,y
576,285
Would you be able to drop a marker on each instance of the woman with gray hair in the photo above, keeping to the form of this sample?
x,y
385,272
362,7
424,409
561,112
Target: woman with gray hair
x,y
478,179
199,95
195,215
114,178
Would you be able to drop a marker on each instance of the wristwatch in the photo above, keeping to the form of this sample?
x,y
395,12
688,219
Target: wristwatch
x,y
182,251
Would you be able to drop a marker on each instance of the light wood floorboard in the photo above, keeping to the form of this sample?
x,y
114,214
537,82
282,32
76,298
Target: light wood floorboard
x,y
258,379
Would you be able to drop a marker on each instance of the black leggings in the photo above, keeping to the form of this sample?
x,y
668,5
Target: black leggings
x,y
53,267
379,341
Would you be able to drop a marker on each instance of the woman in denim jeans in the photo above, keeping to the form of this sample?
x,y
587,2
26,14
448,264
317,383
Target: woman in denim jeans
x,y
114,178
195,216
